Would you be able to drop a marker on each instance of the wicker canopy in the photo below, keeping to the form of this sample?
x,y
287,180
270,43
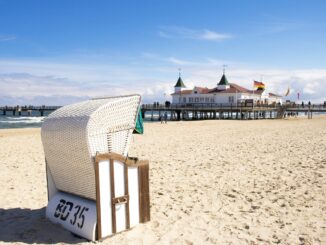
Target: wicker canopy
x,y
74,134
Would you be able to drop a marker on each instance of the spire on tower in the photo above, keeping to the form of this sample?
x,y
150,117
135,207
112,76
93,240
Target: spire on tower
x,y
224,66
179,83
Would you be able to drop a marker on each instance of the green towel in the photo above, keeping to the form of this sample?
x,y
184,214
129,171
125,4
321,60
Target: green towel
x,y
139,128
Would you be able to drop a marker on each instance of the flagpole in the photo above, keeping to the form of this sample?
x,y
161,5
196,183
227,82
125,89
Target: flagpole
x,y
261,80
253,87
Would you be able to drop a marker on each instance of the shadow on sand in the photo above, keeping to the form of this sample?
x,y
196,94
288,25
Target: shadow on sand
x,y
31,226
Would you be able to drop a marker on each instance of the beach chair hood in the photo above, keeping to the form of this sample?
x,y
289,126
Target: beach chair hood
x,y
74,134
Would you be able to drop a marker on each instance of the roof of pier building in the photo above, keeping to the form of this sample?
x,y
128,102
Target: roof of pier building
x,y
233,88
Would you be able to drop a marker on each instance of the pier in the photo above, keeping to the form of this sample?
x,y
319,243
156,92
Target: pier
x,y
28,110
198,111
227,111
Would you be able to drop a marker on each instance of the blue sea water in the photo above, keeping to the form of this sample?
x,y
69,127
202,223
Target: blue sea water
x,y
23,121
20,122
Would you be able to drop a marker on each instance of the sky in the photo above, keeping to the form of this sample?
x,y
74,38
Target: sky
x,y
64,51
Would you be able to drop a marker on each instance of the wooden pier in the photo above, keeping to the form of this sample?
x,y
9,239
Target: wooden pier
x,y
226,111
18,110
194,111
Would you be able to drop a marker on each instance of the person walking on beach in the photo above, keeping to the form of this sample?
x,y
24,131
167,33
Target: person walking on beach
x,y
161,118
165,117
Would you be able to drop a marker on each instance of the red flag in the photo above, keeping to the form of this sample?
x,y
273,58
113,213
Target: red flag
x,y
259,85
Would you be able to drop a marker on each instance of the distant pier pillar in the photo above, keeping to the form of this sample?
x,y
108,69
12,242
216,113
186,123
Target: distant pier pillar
x,y
178,115
309,114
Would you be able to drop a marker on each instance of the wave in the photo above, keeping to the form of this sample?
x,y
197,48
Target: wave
x,y
20,122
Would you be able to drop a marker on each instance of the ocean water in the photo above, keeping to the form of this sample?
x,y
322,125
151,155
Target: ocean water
x,y
20,121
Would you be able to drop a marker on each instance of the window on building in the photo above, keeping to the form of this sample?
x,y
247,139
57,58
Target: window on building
x,y
202,99
231,99
212,100
206,99
184,100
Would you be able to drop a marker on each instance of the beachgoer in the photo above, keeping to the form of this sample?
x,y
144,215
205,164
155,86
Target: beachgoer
x,y
165,117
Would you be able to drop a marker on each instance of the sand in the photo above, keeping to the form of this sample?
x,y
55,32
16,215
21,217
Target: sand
x,y
214,182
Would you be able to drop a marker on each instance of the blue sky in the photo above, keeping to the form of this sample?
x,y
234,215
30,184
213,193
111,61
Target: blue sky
x,y
58,52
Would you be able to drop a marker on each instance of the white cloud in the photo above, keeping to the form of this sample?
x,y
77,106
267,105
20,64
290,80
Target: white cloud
x,y
4,38
187,33
177,61
45,82
213,36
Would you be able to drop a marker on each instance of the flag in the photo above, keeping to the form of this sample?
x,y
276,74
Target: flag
x,y
259,85
298,95
287,92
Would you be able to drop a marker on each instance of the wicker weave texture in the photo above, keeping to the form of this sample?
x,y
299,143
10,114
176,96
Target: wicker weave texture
x,y
73,134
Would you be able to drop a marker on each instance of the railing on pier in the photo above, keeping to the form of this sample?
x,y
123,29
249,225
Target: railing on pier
x,y
29,109
235,106
307,107
207,106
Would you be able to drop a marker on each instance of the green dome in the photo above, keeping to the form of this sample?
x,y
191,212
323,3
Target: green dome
x,y
179,83
223,80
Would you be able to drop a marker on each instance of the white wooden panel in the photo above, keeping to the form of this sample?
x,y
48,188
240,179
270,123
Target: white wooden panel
x,y
119,186
105,198
134,195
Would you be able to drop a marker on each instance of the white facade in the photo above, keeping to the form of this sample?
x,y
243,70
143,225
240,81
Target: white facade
x,y
219,98
224,94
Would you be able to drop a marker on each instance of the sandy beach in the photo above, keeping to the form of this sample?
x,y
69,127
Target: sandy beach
x,y
214,182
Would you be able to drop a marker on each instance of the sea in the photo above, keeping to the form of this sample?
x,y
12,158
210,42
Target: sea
x,y
20,122
24,121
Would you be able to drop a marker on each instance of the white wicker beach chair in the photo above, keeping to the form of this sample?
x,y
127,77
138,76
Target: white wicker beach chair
x,y
72,137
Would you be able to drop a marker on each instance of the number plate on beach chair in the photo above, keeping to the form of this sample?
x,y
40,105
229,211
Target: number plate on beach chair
x,y
76,214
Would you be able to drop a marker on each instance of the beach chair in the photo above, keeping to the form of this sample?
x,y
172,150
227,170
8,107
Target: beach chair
x,y
94,189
